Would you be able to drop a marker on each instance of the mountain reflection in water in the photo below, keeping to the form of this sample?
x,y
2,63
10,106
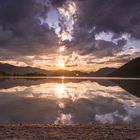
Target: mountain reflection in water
x,y
69,101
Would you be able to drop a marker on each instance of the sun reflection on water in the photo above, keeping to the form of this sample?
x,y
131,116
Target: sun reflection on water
x,y
63,101
60,90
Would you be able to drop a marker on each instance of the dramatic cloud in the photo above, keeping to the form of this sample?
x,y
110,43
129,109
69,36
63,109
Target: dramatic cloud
x,y
121,16
84,43
119,19
58,2
34,32
20,27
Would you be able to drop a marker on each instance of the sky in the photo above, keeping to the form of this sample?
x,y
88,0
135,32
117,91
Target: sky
x,y
83,35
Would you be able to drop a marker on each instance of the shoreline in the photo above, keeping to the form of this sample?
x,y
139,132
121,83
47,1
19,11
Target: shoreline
x,y
73,132
69,77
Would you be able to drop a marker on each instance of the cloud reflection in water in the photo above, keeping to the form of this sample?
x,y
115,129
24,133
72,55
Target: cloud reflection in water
x,y
82,102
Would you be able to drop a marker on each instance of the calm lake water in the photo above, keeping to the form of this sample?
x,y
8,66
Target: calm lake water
x,y
70,101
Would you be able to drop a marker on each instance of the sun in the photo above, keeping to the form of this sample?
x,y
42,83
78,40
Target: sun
x,y
60,62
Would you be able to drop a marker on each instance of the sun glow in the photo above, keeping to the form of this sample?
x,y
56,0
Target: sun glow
x,y
60,90
60,62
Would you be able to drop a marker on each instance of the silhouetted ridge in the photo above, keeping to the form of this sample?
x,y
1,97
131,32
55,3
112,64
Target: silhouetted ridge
x,y
104,71
10,70
131,69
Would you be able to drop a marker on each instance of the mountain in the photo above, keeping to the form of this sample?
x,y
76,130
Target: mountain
x,y
100,73
14,70
131,69
7,69
103,72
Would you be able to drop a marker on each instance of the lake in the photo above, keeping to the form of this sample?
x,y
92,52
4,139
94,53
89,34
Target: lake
x,y
70,101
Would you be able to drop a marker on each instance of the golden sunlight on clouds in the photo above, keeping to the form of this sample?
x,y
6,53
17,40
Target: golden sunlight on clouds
x,y
70,62
62,49
15,63
72,7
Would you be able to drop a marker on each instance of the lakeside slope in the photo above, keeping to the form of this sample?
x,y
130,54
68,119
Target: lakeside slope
x,y
130,69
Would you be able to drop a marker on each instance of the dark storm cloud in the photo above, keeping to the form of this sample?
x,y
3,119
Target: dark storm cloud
x,y
84,43
118,16
21,31
97,16
58,2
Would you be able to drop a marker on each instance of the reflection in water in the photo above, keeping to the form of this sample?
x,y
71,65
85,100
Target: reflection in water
x,y
133,86
67,101
64,119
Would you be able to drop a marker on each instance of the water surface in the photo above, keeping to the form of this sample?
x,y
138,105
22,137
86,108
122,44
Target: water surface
x,y
70,101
